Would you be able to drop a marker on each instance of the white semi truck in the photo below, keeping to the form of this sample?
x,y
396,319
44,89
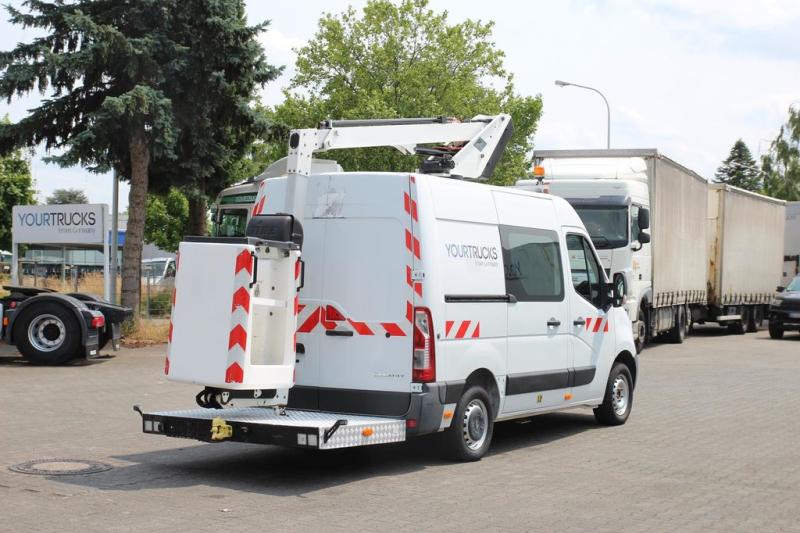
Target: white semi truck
x,y
403,304
671,237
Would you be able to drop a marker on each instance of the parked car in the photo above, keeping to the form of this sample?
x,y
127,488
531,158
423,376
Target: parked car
x,y
784,314
159,271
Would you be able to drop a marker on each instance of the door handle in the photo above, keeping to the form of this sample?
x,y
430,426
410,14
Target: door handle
x,y
339,333
579,322
553,323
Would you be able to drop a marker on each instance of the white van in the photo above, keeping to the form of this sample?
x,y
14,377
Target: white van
x,y
428,304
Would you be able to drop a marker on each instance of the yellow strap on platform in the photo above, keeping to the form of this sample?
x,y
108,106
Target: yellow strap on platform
x,y
220,430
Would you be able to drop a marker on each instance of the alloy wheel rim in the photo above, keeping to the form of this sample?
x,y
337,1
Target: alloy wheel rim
x,y
47,333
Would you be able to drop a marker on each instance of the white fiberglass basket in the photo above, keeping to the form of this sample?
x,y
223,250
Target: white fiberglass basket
x,y
234,316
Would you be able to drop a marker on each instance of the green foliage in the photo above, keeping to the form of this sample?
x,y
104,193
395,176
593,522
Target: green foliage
x,y
167,219
16,188
781,165
739,169
67,196
404,60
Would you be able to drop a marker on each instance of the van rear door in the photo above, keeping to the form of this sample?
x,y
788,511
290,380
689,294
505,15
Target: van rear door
x,y
364,336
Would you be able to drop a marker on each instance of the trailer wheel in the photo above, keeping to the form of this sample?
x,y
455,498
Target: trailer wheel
x,y
470,434
618,398
641,330
47,333
755,319
678,332
737,328
775,330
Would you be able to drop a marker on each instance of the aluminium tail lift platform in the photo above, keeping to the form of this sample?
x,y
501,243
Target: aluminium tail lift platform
x,y
235,303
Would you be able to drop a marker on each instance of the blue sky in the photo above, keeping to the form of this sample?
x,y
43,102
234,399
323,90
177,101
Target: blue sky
x,y
687,77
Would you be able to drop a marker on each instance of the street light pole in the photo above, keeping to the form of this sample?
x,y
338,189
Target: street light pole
x,y
114,244
608,108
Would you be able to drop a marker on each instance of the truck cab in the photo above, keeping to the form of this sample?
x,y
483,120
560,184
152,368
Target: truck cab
x,y
611,196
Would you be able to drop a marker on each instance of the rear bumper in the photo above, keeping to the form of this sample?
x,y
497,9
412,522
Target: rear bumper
x,y
309,428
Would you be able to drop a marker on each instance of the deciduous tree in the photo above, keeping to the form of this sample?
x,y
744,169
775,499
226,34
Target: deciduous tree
x,y
67,196
16,188
781,165
405,60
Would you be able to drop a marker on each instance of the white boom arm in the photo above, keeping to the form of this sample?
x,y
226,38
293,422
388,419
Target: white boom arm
x,y
483,136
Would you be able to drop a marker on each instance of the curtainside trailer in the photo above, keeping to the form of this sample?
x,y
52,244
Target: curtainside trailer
x,y
745,249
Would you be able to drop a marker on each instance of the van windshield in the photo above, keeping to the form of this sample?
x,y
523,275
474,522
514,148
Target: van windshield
x,y
607,226
230,223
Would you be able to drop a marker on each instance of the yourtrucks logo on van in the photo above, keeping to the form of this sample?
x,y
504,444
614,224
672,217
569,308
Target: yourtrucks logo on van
x,y
481,255
59,223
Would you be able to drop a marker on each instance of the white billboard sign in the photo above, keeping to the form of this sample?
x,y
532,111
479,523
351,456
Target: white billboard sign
x,y
59,224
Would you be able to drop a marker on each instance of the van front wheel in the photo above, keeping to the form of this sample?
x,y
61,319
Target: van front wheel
x,y
470,434
618,399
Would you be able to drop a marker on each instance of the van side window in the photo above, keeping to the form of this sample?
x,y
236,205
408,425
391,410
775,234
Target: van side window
x,y
532,264
584,268
635,223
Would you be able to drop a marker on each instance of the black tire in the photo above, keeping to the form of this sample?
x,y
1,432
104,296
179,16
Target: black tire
x,y
610,412
54,320
737,328
459,440
775,330
754,319
640,339
677,334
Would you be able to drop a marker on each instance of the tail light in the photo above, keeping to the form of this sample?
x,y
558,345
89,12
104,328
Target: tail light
x,y
98,321
424,358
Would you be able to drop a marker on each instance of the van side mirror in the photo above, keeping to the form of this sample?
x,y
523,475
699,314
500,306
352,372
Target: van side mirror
x,y
644,218
780,288
644,237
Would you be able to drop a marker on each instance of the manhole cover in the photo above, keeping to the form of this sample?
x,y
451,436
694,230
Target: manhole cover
x,y
60,467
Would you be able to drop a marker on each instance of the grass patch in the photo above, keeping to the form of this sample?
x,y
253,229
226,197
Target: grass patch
x,y
146,332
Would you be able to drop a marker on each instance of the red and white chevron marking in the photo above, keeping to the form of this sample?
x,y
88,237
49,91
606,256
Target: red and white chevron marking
x,y
172,313
462,329
597,324
412,243
311,317
240,314
261,198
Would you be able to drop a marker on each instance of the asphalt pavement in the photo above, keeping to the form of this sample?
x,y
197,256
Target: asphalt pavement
x,y
712,444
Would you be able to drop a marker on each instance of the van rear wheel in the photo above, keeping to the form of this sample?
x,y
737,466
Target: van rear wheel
x,y
469,436
618,399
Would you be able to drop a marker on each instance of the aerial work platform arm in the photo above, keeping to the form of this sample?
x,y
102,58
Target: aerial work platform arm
x,y
481,142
